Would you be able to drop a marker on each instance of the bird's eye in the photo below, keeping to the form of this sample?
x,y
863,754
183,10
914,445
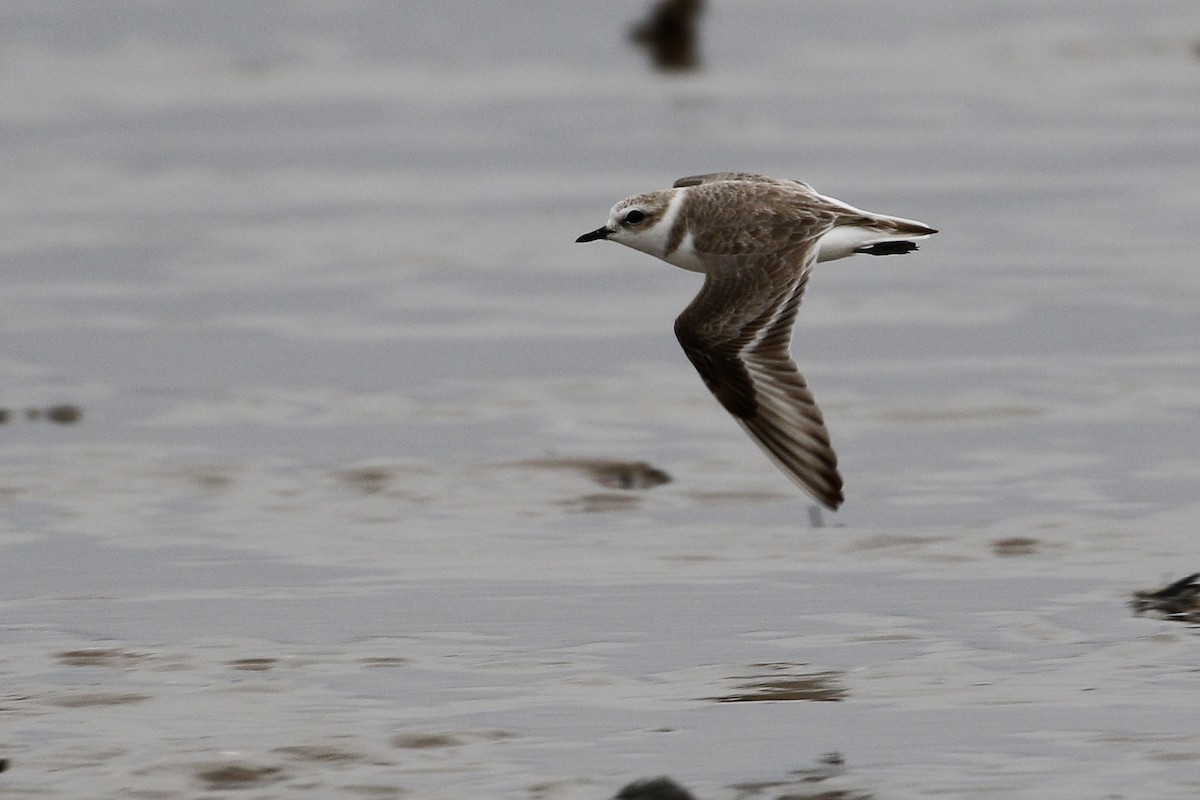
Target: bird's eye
x,y
634,217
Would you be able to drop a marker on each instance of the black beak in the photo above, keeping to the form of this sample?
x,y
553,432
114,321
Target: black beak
x,y
599,233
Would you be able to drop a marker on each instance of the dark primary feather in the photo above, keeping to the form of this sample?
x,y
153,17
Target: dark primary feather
x,y
737,333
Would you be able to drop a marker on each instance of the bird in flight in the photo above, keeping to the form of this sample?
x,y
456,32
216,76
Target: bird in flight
x,y
756,240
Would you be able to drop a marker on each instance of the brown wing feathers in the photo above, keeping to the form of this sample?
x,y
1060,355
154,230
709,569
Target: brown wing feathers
x,y
737,334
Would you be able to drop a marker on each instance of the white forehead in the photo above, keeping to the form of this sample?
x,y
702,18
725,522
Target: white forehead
x,y
615,213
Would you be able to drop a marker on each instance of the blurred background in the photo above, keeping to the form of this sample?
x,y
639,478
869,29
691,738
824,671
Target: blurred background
x,y
318,428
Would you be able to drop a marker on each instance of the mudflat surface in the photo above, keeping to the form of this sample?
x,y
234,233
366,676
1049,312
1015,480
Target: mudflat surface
x,y
332,467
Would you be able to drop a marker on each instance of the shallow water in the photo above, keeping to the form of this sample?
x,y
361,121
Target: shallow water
x,y
339,515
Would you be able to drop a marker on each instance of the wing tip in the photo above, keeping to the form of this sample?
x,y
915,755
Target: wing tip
x,y
828,493
832,501
813,469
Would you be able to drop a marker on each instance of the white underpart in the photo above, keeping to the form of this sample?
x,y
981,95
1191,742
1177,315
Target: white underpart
x,y
844,240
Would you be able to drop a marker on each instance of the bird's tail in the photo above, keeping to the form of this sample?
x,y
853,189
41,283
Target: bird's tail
x,y
875,235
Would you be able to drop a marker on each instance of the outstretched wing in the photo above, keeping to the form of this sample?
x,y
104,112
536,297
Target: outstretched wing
x,y
737,333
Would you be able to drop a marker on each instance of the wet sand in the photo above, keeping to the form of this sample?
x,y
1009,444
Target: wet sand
x,y
352,476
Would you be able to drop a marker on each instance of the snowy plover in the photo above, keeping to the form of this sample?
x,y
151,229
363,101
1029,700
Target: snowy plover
x,y
756,240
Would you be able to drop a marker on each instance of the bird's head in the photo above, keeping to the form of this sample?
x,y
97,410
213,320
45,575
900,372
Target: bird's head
x,y
638,222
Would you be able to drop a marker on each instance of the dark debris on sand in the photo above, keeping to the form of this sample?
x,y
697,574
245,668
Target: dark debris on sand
x,y
654,789
798,785
786,682
1180,601
670,33
611,474
61,414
